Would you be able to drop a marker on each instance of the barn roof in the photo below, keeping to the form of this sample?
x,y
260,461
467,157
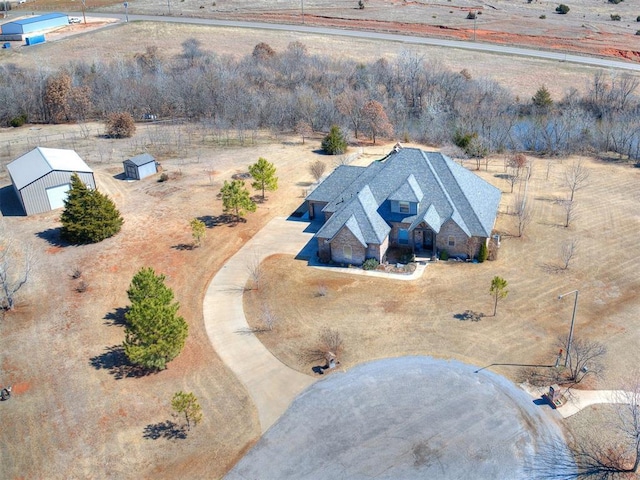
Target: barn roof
x,y
40,161
141,159
39,18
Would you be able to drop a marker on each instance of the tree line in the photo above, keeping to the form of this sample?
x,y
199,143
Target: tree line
x,y
407,98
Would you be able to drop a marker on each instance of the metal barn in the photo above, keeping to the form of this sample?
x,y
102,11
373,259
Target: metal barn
x,y
42,178
35,24
140,166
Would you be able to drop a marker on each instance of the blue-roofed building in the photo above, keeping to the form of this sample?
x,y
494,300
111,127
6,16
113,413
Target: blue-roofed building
x,y
419,200
40,23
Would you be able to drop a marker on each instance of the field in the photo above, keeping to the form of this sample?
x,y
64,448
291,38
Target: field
x,y
73,416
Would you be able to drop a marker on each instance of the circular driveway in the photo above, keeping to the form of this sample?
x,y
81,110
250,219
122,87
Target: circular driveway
x,y
410,417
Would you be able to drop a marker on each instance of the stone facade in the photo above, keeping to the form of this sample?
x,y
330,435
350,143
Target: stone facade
x,y
345,248
452,239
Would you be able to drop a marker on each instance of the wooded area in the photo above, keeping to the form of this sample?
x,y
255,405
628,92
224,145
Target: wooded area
x,y
293,91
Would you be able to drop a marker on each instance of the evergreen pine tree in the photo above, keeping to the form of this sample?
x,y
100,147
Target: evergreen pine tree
x,y
334,143
154,334
89,216
236,198
263,173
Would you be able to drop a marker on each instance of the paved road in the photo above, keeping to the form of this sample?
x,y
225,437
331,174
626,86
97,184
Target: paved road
x,y
271,384
405,39
410,418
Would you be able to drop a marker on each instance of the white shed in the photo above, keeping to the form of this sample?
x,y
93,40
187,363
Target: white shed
x,y
140,166
42,177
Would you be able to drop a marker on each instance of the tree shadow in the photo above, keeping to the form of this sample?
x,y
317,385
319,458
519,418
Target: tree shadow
x,y
551,268
469,315
53,237
183,246
167,430
116,362
116,317
211,221
258,199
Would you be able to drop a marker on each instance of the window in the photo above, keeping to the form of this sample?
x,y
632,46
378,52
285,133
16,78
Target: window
x,y
404,207
403,236
451,241
347,252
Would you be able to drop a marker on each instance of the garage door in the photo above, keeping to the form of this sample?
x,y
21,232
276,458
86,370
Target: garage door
x,y
57,195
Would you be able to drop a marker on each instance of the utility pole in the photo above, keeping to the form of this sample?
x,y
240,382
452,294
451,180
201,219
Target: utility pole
x,y
573,320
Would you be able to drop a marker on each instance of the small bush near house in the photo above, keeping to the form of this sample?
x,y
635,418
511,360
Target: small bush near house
x,y
615,17
164,177
562,9
483,253
444,255
370,264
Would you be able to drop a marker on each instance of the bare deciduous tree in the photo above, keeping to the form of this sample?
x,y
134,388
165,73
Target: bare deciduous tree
x,y
570,211
329,344
317,169
513,176
584,358
524,213
568,251
575,177
268,317
254,267
15,268
628,410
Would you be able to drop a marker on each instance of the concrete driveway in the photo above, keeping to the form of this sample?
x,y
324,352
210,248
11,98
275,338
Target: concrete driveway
x,y
411,417
271,384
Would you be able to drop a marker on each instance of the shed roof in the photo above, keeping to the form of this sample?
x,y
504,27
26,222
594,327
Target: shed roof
x,y
39,18
142,159
40,161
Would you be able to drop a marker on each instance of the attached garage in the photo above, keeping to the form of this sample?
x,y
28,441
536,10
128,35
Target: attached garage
x,y
42,178
140,166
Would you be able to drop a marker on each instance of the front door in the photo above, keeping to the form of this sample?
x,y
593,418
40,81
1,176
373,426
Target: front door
x,y
427,239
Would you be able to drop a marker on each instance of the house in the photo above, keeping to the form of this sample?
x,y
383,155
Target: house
x,y
422,201
42,177
140,166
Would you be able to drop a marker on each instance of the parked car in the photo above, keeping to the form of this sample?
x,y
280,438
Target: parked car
x,y
149,117
74,20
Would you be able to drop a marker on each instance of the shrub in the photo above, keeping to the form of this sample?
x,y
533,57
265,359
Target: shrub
x,y
120,125
370,264
361,5
164,177
444,255
562,9
615,17
407,257
18,121
542,17
638,18
483,253
615,2
471,16
637,32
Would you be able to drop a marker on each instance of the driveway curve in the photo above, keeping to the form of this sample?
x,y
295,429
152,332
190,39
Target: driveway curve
x,y
271,384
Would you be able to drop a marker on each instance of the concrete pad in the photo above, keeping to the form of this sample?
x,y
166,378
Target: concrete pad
x,y
411,417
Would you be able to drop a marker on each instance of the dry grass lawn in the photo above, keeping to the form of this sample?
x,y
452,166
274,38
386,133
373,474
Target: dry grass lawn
x,y
384,317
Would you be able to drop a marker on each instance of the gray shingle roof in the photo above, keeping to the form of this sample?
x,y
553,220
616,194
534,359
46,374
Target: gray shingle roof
x,y
360,216
444,190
